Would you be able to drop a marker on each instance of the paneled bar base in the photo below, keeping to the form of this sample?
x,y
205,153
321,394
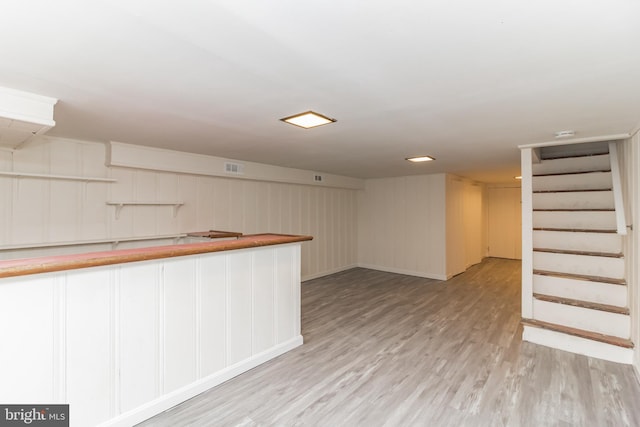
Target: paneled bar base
x,y
124,335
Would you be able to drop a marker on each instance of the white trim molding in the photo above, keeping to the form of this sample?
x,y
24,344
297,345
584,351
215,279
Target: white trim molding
x,y
603,138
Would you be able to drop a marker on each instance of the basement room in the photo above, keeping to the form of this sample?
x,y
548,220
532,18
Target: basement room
x,y
245,213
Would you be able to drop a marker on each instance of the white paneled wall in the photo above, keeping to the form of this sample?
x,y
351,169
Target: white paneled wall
x,y
401,225
44,210
424,225
124,342
629,155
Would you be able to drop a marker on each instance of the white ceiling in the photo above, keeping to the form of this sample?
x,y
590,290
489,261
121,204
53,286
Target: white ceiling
x,y
464,81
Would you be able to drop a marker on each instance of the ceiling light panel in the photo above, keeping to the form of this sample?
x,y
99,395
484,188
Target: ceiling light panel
x,y
309,119
420,159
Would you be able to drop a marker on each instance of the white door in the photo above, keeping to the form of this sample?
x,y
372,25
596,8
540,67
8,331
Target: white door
x,y
505,222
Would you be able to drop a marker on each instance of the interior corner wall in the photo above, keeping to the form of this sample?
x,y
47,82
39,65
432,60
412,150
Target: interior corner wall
x,y
39,210
401,225
464,224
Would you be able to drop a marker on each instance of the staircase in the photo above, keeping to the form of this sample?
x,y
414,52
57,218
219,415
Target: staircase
x,y
579,294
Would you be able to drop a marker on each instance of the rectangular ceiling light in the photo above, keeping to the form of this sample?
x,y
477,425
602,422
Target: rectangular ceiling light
x,y
308,120
420,159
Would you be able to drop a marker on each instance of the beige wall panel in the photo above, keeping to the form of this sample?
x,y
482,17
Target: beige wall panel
x,y
455,241
505,226
629,155
473,224
401,225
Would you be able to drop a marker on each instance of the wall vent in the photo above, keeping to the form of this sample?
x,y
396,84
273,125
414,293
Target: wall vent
x,y
234,168
318,178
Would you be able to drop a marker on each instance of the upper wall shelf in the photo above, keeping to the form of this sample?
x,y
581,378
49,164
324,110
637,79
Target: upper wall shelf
x,y
113,241
59,177
120,205
22,115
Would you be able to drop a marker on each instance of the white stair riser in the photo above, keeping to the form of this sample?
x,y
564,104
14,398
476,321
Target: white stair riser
x,y
579,264
583,181
583,290
566,240
592,220
577,200
617,325
572,164
577,345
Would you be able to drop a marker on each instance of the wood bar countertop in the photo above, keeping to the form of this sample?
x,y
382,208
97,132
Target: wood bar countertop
x,y
23,267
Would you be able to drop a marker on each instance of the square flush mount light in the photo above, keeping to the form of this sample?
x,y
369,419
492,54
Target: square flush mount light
x,y
308,120
420,159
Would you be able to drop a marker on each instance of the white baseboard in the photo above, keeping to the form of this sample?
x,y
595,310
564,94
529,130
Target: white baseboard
x,y
328,272
402,271
182,394
577,345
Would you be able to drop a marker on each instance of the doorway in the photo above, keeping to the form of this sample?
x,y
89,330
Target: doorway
x,y
505,222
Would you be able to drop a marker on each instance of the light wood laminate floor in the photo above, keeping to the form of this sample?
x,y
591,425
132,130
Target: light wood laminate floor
x,y
384,349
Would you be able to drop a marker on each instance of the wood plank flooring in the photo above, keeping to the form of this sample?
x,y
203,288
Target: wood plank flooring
x,y
384,349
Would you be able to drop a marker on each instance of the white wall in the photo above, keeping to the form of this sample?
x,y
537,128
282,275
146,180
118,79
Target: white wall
x,y
425,225
629,154
42,210
401,225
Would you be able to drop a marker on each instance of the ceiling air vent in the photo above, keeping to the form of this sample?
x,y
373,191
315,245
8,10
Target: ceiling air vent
x,y
234,168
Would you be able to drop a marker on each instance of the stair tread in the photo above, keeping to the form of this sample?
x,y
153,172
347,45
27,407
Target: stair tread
x,y
607,339
584,304
573,172
574,252
572,156
573,190
574,230
584,277
576,210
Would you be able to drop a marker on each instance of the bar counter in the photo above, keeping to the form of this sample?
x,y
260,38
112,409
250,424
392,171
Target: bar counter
x,y
123,335
21,267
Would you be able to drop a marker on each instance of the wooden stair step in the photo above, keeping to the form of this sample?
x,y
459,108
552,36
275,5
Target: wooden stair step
x,y
573,230
586,253
572,191
584,304
572,173
575,210
581,277
607,339
573,156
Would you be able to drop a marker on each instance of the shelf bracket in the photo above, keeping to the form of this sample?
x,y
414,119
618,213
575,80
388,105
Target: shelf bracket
x,y
118,210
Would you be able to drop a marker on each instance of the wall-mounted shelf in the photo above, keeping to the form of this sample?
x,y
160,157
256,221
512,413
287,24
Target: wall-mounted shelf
x,y
58,177
114,242
120,205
